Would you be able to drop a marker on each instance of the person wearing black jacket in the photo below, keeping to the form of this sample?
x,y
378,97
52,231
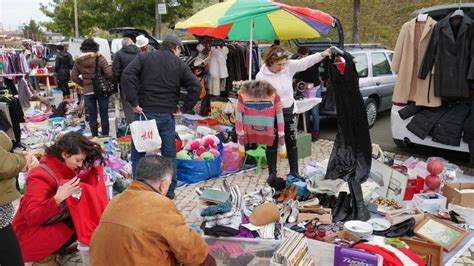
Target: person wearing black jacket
x,y
62,67
121,60
152,83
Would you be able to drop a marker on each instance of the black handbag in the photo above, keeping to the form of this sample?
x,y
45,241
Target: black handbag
x,y
102,86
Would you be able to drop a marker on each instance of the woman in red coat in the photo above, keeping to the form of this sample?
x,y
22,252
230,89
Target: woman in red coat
x,y
47,187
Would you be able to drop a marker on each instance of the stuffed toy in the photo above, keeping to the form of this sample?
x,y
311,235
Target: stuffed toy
x,y
207,156
183,155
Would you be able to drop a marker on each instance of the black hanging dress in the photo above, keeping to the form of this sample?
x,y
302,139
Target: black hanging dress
x,y
352,152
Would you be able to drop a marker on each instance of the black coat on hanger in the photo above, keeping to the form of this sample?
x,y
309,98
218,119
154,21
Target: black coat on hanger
x,y
451,51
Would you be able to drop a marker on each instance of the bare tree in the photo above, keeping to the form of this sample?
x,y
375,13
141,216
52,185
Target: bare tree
x,y
356,22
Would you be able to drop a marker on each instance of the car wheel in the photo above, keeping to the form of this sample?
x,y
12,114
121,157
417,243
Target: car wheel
x,y
371,109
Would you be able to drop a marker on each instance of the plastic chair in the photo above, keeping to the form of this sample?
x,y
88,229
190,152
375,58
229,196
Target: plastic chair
x,y
259,155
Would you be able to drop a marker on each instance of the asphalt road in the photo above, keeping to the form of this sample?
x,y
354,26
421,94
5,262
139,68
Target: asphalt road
x,y
381,134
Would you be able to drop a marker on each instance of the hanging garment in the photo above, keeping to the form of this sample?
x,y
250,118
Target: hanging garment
x,y
217,68
352,152
86,211
445,124
24,93
468,135
16,116
255,122
451,55
411,46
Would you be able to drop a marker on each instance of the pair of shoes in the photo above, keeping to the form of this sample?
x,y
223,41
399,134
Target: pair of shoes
x,y
267,193
289,211
314,136
287,194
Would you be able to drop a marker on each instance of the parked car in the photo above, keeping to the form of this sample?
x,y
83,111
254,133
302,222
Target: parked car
x,y
401,135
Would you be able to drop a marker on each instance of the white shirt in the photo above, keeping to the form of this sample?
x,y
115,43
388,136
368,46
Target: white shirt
x,y
283,80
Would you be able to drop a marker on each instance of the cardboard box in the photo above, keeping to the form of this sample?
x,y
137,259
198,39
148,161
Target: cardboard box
x,y
397,216
429,202
451,192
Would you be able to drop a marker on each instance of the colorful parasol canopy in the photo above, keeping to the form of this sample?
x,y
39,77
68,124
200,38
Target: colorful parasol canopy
x,y
271,20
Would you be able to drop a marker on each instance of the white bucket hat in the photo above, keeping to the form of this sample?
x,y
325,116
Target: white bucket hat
x,y
141,41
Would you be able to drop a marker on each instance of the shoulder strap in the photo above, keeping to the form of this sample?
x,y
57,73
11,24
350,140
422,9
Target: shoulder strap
x,y
47,169
97,65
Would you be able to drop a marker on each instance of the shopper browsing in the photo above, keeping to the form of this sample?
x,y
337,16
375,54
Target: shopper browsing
x,y
152,83
121,60
142,226
279,72
85,66
44,222
62,67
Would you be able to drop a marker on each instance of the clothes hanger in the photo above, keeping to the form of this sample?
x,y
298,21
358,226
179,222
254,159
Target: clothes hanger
x,y
422,17
458,12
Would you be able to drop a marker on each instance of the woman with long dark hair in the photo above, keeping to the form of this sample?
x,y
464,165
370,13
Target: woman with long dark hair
x,y
43,224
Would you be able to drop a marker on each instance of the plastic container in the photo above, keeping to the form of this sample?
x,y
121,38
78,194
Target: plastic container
x,y
84,252
242,251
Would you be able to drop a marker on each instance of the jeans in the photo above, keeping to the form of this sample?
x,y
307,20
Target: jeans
x,y
91,103
315,113
166,127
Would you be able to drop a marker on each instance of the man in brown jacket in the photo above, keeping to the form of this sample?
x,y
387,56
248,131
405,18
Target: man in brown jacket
x,y
143,227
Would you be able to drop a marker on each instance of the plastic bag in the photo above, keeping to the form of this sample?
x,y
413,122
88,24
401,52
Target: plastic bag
x,y
145,135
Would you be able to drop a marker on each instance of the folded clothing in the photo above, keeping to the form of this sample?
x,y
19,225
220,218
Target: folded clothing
x,y
223,207
231,219
327,186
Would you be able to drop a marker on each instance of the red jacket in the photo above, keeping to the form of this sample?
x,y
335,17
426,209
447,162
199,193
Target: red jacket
x,y
38,241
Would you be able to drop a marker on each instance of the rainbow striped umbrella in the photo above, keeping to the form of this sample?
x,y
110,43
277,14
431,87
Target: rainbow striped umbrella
x,y
257,20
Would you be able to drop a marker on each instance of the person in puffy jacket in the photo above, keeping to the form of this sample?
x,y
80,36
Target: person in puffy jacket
x,y
121,60
85,66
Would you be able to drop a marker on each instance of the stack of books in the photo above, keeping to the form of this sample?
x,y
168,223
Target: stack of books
x,y
293,251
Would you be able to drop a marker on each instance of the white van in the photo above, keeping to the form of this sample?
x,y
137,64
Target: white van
x,y
74,45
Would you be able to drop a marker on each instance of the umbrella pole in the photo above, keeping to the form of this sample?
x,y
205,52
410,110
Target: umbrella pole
x,y
251,48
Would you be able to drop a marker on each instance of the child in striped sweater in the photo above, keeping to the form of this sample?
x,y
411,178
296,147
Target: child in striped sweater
x,y
258,108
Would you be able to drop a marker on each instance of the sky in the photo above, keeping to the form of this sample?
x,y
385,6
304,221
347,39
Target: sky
x,y
15,12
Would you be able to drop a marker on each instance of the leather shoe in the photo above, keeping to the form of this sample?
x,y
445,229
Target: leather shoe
x,y
283,195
